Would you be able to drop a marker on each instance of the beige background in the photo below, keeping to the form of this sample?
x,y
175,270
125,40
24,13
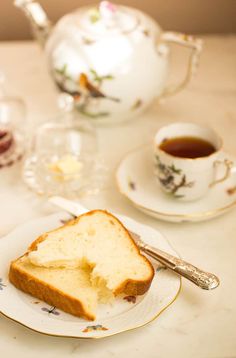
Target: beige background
x,y
193,16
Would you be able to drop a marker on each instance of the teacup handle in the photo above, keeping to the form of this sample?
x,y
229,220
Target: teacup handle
x,y
195,44
228,165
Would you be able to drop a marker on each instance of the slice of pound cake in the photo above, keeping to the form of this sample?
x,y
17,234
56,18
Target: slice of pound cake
x,y
90,259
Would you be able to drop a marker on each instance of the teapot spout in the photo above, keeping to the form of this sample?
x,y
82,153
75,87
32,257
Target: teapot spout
x,y
40,23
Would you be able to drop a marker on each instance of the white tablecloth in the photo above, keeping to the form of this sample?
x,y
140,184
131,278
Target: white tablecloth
x,y
199,324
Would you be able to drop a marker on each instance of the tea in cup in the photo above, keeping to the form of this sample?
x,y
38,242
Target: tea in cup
x,y
187,158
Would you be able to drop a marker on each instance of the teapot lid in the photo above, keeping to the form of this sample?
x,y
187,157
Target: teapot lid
x,y
106,18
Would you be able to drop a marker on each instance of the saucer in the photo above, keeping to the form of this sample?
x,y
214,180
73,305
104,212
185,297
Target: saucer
x,y
136,181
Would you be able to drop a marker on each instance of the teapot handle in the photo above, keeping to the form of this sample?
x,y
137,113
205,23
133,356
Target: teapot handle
x,y
188,41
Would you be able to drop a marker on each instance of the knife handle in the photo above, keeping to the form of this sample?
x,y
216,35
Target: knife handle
x,y
205,280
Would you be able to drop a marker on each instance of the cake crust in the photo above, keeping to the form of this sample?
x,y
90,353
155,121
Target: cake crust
x,y
47,293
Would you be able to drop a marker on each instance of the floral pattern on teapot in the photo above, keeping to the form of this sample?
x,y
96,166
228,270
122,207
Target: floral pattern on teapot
x,y
86,89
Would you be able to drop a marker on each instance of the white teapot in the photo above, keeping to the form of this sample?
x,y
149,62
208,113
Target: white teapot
x,y
112,59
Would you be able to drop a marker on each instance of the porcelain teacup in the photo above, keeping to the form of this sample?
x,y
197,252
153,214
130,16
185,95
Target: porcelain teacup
x,y
185,178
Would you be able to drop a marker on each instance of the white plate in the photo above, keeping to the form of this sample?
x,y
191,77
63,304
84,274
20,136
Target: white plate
x,y
122,315
137,182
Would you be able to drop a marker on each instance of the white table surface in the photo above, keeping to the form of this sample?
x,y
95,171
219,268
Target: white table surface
x,y
199,324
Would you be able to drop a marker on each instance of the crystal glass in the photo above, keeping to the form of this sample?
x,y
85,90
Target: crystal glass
x,y
63,159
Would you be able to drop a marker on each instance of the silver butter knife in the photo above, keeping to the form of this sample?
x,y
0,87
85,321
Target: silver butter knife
x,y
205,280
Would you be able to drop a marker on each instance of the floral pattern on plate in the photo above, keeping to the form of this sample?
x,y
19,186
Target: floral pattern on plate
x,y
51,310
131,299
1,284
97,327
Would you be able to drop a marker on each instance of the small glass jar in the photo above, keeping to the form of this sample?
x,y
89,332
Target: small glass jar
x,y
12,127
